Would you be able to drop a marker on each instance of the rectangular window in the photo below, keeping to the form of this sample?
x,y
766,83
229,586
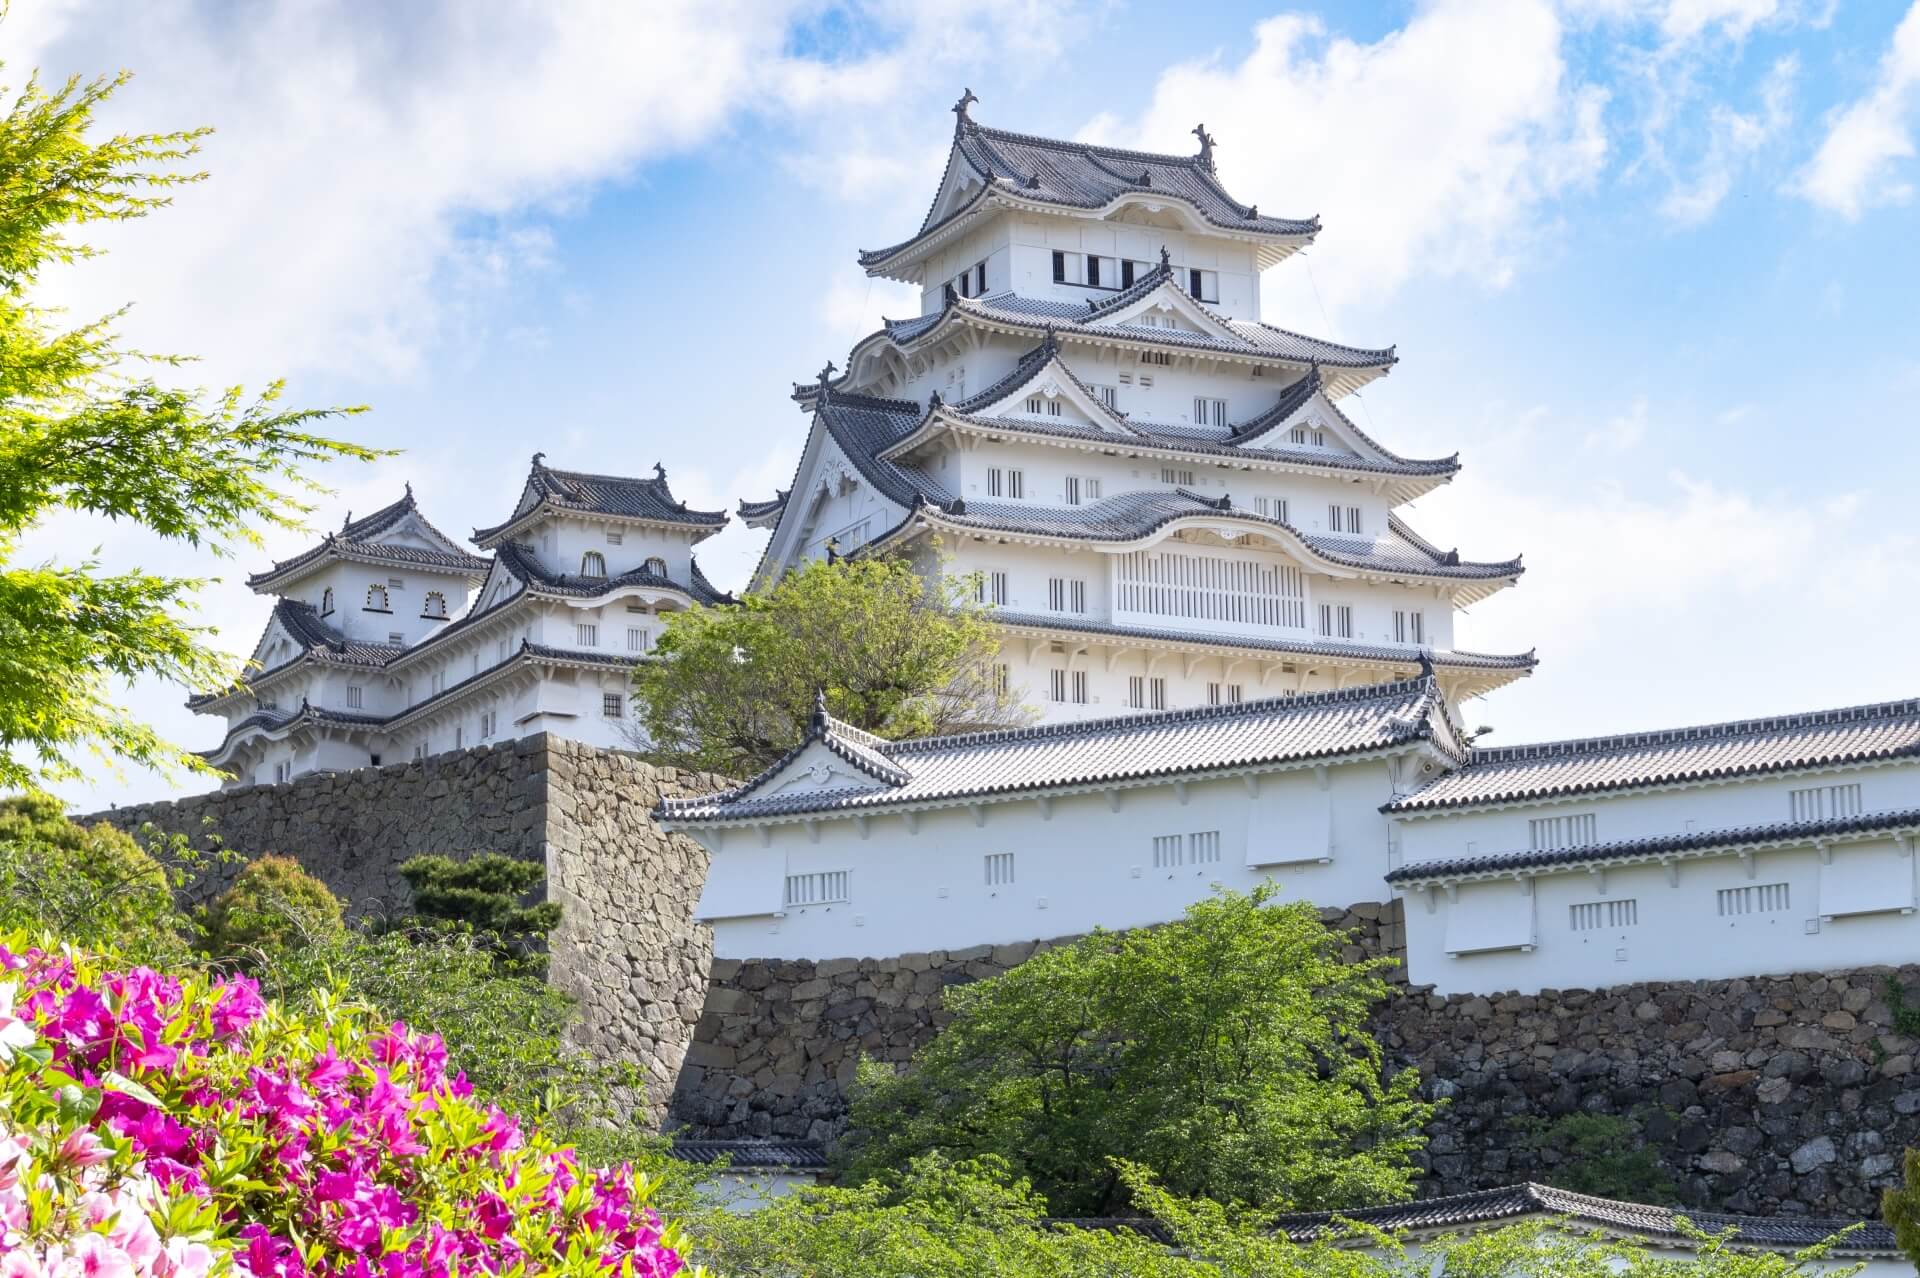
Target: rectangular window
x,y
1336,621
1016,484
1094,268
1059,268
1223,694
396,639
1170,851
1069,268
279,773
1203,847
586,634
991,588
1066,594
1177,477
1200,587
1167,849
420,750
353,696
1598,916
1825,802
1162,358
1125,379
439,681
1409,626
979,278
1343,519
1203,285
616,538
1545,834
486,724
612,705
1002,680
1073,490
1033,404
996,481
1209,412
1105,394
1145,693
639,639
1057,681
1761,898
1077,687
828,887
394,583
999,866
459,736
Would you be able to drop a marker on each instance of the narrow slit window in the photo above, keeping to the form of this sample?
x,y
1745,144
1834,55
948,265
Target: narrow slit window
x,y
999,869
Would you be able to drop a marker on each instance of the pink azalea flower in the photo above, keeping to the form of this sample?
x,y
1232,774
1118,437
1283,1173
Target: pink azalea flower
x,y
82,1148
94,1256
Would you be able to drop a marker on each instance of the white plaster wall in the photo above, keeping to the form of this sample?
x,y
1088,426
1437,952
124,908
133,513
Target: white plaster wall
x,y
561,543
1035,236
1678,932
1638,813
1079,866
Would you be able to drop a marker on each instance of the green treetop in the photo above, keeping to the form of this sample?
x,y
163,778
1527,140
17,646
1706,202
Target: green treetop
x,y
85,427
897,655
1227,1053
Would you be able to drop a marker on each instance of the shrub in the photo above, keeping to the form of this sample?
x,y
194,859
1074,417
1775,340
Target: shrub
x,y
1600,1154
162,1127
92,885
273,904
482,893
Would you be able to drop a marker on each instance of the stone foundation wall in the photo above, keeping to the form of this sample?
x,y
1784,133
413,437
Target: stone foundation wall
x,y
1775,1095
626,947
780,1038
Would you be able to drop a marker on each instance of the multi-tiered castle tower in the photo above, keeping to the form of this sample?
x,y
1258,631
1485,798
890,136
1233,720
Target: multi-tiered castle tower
x,y
1164,501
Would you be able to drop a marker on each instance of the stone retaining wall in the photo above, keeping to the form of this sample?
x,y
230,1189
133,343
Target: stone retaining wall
x,y
780,1038
626,947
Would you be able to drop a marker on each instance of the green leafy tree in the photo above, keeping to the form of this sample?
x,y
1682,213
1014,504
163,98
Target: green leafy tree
x,y
974,1219
84,426
1601,1154
273,904
91,886
483,894
1900,1207
896,655
1228,1052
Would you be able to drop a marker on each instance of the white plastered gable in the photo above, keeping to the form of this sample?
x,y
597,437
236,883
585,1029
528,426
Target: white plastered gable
x,y
1317,414
414,532
1169,306
1053,386
276,647
816,769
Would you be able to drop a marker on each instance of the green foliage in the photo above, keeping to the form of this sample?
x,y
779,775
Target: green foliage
x,y
481,894
974,1219
272,905
1906,1018
897,656
1228,1052
85,427
1900,1207
93,886
1602,1154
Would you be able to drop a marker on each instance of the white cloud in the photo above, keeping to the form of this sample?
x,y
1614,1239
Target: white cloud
x,y
1857,165
1689,19
1417,162
1622,432
1733,140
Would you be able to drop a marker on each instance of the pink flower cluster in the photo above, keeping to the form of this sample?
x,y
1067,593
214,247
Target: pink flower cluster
x,y
162,1127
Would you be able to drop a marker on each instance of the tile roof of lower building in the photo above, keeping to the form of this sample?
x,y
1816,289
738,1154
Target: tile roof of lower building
x,y
751,1155
625,496
1747,747
1657,846
1661,1224
305,626
956,769
356,537
1441,657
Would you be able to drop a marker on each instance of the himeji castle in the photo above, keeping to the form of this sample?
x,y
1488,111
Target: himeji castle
x,y
390,641
1164,501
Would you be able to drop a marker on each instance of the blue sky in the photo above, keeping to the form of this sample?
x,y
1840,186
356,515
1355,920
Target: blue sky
x,y
1648,263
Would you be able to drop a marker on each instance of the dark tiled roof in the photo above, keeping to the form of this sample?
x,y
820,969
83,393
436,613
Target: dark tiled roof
x,y
1824,738
1251,338
306,627
1514,1202
978,765
357,536
757,512
1181,437
1662,845
1079,175
1444,658
751,1155
1133,515
618,495
275,720
521,562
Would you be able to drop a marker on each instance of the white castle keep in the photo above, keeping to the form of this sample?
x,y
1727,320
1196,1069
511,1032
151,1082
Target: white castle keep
x,y
1242,658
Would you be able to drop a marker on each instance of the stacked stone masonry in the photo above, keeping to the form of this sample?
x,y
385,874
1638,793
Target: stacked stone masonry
x,y
627,947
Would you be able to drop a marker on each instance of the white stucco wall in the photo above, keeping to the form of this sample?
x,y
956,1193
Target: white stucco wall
x,y
1079,862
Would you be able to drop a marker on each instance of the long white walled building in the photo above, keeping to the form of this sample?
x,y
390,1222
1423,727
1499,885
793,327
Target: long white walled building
x,y
389,641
